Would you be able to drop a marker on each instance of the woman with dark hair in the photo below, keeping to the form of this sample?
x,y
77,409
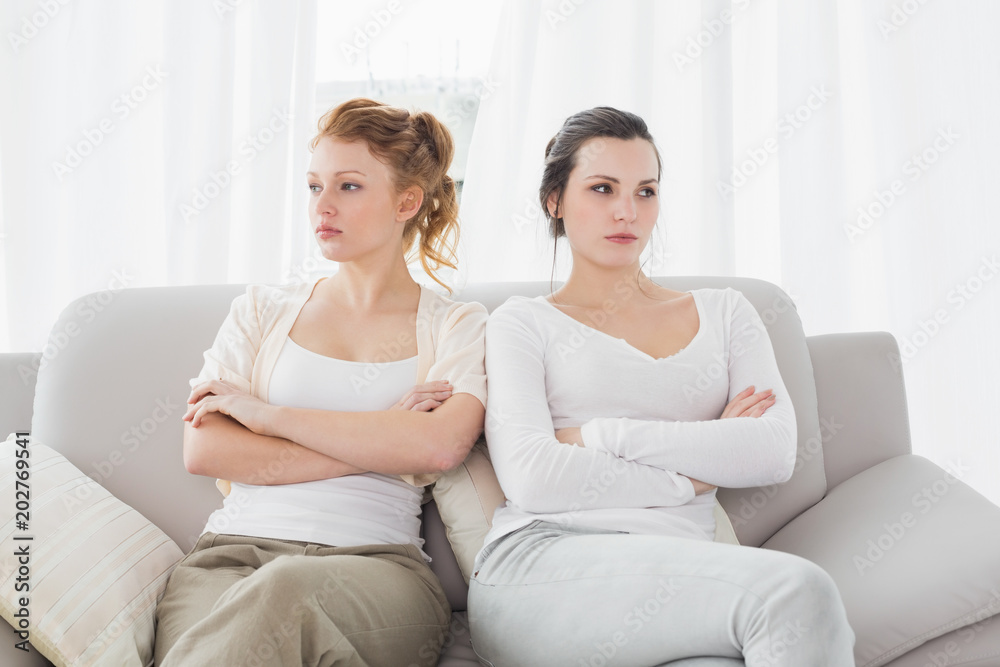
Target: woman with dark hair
x,y
611,447
327,406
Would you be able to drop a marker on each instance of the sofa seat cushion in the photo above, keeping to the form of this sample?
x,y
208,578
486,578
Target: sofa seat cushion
x,y
976,645
913,549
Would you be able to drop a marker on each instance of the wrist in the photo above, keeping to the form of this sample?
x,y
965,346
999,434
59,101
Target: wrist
x,y
274,419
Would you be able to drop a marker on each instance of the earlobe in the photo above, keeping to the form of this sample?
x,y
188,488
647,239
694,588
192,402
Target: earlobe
x,y
552,203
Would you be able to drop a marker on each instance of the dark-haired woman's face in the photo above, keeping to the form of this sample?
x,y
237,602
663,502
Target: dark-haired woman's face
x,y
610,203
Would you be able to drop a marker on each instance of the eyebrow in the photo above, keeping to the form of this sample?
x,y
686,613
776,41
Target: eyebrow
x,y
340,173
615,180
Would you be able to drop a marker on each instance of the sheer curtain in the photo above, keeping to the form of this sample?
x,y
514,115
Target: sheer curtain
x,y
841,150
149,143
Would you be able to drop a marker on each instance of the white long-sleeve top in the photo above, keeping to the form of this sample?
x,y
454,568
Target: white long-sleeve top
x,y
647,424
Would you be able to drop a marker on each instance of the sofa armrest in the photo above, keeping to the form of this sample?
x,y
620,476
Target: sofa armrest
x,y
18,371
861,400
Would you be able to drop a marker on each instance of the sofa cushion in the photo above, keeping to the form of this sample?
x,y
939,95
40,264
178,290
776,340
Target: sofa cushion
x,y
976,645
905,544
121,377
466,498
95,566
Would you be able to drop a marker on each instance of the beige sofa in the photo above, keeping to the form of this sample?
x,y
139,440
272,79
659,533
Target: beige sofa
x,y
915,552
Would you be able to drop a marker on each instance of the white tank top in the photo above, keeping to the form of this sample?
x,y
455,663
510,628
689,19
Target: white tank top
x,y
368,508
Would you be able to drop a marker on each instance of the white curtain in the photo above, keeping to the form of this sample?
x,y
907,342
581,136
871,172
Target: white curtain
x,y
777,122
160,142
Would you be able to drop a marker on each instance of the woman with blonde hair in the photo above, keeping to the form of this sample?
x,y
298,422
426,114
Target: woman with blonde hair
x,y
612,445
325,407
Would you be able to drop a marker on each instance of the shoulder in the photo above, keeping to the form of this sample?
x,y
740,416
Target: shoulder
x,y
523,309
445,316
725,301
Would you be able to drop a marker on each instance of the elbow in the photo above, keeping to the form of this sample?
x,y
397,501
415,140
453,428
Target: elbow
x,y
784,472
525,494
194,452
448,450
788,461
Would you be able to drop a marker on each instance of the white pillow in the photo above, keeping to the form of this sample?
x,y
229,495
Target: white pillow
x,y
96,567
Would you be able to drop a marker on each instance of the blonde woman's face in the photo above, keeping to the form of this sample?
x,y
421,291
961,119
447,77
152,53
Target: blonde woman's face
x,y
354,209
610,203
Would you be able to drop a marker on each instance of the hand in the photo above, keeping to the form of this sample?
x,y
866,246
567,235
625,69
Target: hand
x,y
748,404
425,397
700,487
217,396
570,436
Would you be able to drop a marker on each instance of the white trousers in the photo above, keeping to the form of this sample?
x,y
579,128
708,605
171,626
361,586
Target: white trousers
x,y
549,594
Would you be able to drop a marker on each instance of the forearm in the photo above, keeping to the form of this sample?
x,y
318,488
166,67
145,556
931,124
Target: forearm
x,y
540,474
392,442
731,453
223,448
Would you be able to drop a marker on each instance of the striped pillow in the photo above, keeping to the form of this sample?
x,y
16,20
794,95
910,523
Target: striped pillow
x,y
97,566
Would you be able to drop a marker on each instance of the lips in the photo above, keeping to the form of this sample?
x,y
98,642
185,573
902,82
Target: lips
x,y
325,232
622,238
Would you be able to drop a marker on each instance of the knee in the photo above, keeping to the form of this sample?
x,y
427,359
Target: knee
x,y
814,585
813,597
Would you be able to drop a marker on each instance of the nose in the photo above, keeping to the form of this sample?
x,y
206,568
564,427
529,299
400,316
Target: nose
x,y
324,204
625,210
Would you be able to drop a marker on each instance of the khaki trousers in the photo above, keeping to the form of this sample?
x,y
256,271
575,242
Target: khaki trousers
x,y
237,600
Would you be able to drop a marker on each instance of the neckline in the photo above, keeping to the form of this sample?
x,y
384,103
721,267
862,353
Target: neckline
x,y
400,362
622,341
421,305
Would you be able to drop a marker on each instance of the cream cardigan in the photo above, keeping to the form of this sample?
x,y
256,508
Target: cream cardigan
x,y
450,344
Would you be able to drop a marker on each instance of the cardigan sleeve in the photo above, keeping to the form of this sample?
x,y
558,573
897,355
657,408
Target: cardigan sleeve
x,y
459,348
737,452
537,472
234,352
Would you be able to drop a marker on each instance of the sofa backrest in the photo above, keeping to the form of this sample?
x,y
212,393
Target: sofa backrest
x,y
111,398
